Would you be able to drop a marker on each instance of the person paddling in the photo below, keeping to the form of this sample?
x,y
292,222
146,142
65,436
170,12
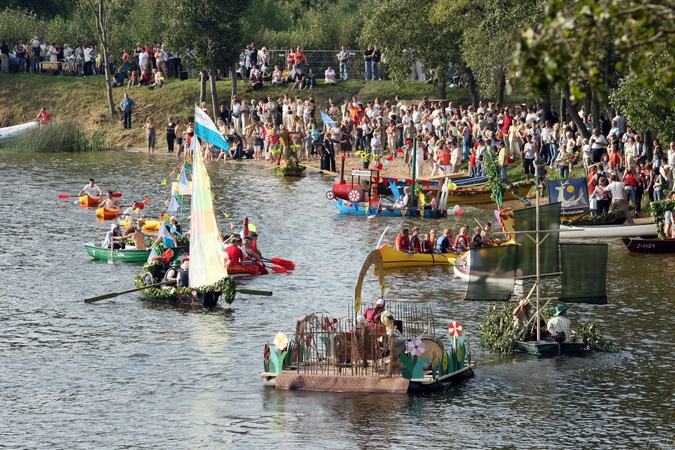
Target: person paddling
x,y
111,202
91,189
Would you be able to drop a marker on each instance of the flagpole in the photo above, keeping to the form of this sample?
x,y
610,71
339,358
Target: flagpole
x,y
414,167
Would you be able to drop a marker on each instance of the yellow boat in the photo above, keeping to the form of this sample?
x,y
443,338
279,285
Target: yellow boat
x,y
150,225
396,258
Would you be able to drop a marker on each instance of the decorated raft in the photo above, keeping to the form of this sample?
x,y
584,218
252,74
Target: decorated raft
x,y
371,351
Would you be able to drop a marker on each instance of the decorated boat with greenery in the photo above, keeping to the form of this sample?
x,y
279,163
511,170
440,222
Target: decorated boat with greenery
x,y
289,163
389,348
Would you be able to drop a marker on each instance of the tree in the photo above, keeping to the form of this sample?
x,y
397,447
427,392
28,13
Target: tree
x,y
208,33
583,46
396,26
100,12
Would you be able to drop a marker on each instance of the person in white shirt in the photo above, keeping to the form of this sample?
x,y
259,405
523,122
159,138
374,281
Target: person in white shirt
x,y
330,76
598,145
617,191
91,189
560,322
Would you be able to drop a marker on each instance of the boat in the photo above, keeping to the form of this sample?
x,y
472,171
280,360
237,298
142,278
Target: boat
x,y
90,201
208,280
133,256
392,258
655,245
549,348
607,231
480,196
365,209
372,350
7,133
149,226
106,213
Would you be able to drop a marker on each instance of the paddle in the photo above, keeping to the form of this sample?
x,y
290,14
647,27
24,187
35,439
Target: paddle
x,y
116,294
286,264
252,292
115,195
262,269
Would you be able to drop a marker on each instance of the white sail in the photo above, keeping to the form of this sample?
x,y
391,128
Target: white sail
x,y
206,260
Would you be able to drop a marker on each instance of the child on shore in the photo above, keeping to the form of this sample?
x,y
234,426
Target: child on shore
x,y
133,79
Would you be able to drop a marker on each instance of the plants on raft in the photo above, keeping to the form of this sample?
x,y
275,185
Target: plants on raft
x,y
659,210
226,286
290,166
604,218
498,335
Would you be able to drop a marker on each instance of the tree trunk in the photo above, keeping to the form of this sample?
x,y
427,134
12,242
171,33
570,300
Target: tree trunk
x,y
472,86
214,94
441,84
102,31
563,107
502,88
202,87
574,113
595,110
233,71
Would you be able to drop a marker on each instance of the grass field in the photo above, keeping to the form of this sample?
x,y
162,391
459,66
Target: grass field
x,y
84,100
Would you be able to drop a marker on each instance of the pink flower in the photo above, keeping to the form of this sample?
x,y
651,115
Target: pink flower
x,y
415,347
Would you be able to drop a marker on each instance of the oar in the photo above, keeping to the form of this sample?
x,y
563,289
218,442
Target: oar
x,y
116,294
115,194
252,292
286,264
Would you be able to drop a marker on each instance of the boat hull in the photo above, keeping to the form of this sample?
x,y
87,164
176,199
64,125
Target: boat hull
x,y
549,348
481,196
393,258
656,245
89,201
363,209
208,300
106,213
132,256
8,133
607,231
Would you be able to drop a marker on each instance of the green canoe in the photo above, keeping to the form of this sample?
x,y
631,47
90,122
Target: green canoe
x,y
126,255
548,348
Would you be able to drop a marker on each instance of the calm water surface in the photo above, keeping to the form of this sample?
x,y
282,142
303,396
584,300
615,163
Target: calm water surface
x,y
126,373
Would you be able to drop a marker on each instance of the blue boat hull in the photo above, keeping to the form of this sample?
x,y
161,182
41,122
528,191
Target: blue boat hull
x,y
362,209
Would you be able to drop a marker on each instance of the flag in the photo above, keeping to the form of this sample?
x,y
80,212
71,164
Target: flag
x,y
183,181
206,130
173,172
155,192
153,254
163,183
327,120
164,233
167,202
147,200
137,210
173,204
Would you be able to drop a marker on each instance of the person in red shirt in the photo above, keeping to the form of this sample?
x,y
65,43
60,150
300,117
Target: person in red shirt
x,y
443,159
234,254
300,59
44,116
125,63
146,78
290,59
403,241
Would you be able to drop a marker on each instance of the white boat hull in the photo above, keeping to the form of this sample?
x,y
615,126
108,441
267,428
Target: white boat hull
x,y
607,231
8,133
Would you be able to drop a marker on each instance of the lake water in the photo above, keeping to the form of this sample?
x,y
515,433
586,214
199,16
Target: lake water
x,y
126,373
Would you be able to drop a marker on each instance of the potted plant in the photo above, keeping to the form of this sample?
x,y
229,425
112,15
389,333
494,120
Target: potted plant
x,y
365,158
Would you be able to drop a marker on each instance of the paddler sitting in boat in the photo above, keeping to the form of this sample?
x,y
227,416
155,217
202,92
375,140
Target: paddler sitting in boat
x,y
234,253
560,324
183,278
172,273
111,202
130,212
250,255
91,189
405,200
521,315
477,240
462,240
485,234
403,241
444,243
427,244
415,241
113,237
254,243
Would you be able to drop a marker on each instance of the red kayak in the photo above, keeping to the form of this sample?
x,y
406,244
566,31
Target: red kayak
x,y
238,269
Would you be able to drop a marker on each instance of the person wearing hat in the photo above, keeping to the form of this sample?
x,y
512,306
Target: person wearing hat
x,y
560,322
374,314
172,272
521,315
130,212
234,253
176,226
182,279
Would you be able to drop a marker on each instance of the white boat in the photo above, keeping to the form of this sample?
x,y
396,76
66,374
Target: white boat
x,y
608,231
8,133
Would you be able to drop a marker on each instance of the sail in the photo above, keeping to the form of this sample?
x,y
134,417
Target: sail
x,y
206,260
526,220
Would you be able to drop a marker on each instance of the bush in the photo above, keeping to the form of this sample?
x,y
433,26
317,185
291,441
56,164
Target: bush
x,y
59,137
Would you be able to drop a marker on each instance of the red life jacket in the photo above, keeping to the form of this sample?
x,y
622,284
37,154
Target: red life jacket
x,y
457,247
403,243
416,244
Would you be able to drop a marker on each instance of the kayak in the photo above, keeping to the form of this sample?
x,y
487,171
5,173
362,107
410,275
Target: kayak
x,y
106,213
243,269
396,258
150,226
7,133
90,200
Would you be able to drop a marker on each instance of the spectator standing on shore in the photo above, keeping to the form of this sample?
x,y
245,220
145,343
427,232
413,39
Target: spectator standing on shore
x,y
125,62
127,106
343,57
150,135
144,61
179,138
37,52
44,116
5,56
20,52
161,57
170,134
368,57
377,57
300,59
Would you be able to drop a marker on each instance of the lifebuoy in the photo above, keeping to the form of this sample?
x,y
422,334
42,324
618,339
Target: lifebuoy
x,y
330,195
354,195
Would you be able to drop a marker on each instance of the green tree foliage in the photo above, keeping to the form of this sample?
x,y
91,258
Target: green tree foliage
x,y
648,108
392,25
44,9
577,44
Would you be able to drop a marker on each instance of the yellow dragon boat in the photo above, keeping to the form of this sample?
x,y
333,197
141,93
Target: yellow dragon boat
x,y
395,258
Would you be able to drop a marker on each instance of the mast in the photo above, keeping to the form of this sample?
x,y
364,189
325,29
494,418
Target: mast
x,y
414,168
537,269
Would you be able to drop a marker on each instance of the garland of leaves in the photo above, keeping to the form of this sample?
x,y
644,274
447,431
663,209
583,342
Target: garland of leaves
x,y
498,336
659,210
497,186
226,286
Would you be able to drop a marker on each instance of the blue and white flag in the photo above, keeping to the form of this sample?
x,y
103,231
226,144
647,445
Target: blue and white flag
x,y
206,130
327,120
164,233
174,205
183,181
153,254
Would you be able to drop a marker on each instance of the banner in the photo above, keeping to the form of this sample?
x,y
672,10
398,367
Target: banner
x,y
325,118
206,130
571,194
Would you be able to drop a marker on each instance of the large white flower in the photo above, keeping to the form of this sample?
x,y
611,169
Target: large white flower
x,y
280,340
416,347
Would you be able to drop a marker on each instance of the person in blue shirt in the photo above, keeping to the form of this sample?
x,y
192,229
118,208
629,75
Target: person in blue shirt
x,y
444,243
127,106
118,78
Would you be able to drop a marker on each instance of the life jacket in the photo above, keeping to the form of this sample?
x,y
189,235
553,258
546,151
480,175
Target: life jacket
x,y
478,239
416,244
443,244
403,243
427,246
457,246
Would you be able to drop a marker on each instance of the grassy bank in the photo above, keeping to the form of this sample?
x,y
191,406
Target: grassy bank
x,y
84,100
